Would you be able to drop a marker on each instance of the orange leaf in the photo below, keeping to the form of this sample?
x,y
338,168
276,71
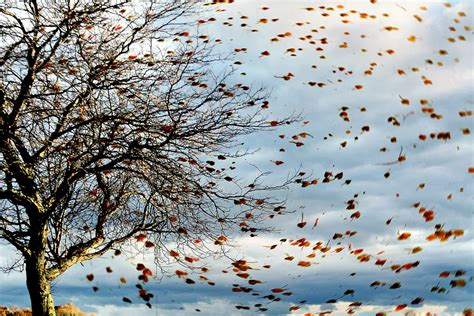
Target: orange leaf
x,y
180,273
174,253
243,275
400,307
404,236
444,274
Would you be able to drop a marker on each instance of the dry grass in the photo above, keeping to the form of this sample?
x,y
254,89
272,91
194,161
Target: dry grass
x,y
64,310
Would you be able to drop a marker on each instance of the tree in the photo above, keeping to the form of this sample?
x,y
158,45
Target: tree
x,y
111,117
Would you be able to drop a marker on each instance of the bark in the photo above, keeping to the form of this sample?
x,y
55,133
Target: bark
x,y
37,280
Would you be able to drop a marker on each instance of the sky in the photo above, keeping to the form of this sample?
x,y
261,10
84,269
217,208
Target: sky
x,y
435,172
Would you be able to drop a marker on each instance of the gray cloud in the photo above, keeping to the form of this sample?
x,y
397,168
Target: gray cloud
x,y
441,165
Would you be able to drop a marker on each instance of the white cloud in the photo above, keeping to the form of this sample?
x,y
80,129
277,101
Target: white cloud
x,y
340,308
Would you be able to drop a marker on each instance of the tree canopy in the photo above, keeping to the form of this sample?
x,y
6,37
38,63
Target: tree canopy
x,y
107,133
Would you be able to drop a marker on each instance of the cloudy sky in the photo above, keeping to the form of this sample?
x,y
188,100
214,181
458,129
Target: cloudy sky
x,y
372,51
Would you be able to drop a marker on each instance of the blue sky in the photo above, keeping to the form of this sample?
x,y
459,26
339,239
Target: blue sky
x,y
440,165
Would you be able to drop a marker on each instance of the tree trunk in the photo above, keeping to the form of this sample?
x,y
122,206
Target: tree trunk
x,y
39,289
37,280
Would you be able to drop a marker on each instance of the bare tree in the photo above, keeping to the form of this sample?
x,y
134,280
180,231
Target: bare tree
x,y
114,124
